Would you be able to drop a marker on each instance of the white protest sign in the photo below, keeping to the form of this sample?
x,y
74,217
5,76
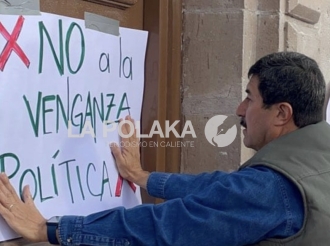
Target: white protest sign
x,y
57,80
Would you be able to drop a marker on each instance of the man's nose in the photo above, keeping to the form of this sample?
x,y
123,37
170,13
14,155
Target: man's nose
x,y
240,111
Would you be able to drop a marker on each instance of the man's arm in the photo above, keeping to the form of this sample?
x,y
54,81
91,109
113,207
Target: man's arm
x,y
241,209
161,185
170,185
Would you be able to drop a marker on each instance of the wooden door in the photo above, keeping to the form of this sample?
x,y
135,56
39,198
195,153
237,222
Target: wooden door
x,y
131,16
162,19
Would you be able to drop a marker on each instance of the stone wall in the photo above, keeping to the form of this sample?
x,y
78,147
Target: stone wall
x,y
221,40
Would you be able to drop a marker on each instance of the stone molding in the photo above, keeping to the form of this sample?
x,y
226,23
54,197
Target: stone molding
x,y
296,9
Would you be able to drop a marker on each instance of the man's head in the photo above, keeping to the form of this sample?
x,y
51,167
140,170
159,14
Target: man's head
x,y
286,91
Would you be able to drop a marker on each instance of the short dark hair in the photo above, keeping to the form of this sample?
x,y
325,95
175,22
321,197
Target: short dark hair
x,y
293,78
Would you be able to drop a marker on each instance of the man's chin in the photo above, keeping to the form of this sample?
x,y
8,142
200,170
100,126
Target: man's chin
x,y
246,140
249,145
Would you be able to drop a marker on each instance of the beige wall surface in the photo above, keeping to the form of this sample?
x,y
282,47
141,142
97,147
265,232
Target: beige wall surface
x,y
221,40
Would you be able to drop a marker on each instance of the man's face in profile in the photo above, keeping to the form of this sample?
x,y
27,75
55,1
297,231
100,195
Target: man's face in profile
x,y
255,118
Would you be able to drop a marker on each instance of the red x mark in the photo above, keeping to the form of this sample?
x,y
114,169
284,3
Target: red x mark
x,y
12,45
120,185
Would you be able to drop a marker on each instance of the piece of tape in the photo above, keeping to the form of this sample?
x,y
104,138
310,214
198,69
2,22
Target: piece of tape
x,y
20,7
102,24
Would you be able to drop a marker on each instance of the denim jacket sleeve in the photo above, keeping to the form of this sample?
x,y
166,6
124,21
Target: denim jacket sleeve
x,y
239,208
169,185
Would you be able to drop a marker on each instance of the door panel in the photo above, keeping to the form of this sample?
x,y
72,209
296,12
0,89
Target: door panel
x,y
131,17
162,97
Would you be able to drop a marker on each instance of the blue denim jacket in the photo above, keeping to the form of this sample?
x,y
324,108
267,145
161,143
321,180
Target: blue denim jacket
x,y
218,208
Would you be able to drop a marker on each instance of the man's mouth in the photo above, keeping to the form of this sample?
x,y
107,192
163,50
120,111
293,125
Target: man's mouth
x,y
243,123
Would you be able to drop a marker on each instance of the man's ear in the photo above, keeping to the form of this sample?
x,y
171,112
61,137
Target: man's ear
x,y
284,113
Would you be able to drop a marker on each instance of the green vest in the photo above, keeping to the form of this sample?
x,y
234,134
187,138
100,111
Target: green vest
x,y
304,157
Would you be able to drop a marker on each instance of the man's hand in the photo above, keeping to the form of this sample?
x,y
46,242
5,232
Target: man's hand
x,y
128,156
22,217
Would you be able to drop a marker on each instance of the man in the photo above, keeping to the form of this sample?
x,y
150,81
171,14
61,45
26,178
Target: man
x,y
280,196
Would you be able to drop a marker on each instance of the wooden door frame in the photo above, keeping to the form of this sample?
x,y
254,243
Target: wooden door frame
x,y
162,98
